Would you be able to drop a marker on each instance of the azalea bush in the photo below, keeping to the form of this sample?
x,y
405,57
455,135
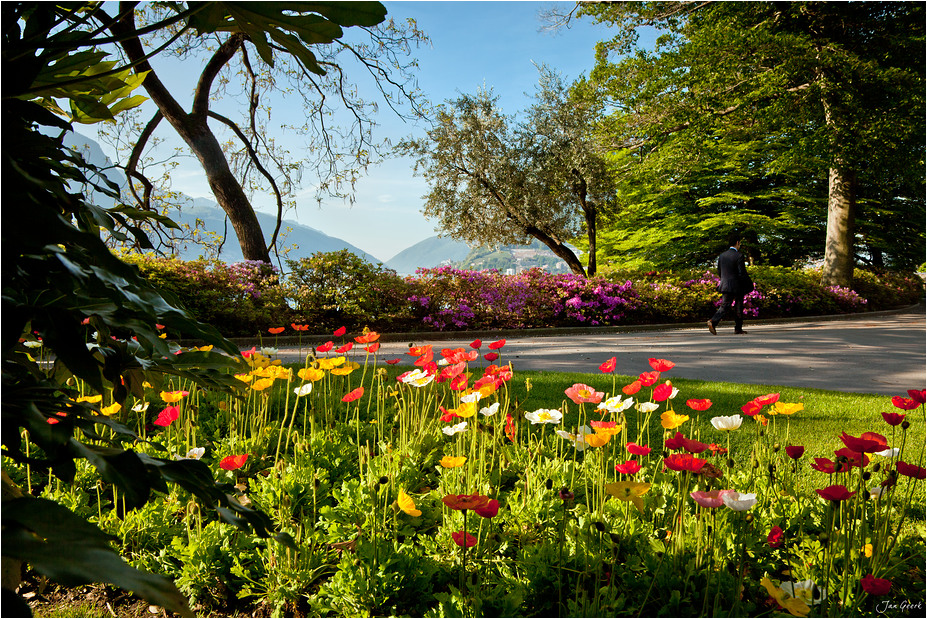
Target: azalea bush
x,y
443,483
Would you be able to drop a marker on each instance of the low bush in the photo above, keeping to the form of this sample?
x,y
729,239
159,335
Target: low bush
x,y
329,290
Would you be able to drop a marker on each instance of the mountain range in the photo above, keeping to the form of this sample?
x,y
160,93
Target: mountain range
x,y
299,240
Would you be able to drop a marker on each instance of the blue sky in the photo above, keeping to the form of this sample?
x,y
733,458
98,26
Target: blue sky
x,y
473,45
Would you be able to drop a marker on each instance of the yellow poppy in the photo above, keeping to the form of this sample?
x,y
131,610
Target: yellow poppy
x,y
786,408
92,399
452,462
407,505
262,384
342,371
629,491
466,409
245,378
173,396
671,420
310,374
112,409
786,601
205,348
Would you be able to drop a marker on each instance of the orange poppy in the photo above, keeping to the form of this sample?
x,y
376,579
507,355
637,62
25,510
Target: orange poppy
x,y
367,338
632,388
699,405
230,463
465,501
276,330
372,348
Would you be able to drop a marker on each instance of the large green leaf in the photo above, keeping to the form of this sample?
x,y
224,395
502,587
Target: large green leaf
x,y
71,551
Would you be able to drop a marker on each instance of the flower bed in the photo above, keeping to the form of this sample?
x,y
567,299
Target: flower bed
x,y
446,490
328,290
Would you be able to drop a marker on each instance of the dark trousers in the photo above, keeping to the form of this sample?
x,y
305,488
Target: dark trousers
x,y
728,298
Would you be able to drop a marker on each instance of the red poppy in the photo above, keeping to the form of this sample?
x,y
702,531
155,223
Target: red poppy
x,y
465,501
661,365
893,419
681,442
905,404
835,493
497,345
910,470
490,510
339,331
825,465
751,408
491,356
632,388
463,539
699,405
53,421
168,416
248,353
459,382
393,361
343,349
368,338
476,344
157,326
868,442
372,348
649,378
609,366
766,400
918,396
774,539
424,359
510,427
854,458
684,462
875,586
717,449
325,347
628,468
230,463
276,330
795,451
353,395
637,450
604,425
662,392
448,416
297,327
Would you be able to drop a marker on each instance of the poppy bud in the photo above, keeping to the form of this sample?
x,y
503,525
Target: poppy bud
x,y
772,468
893,473
905,424
400,538
749,518
316,483
876,467
384,480
566,494
762,432
776,447
841,459
867,475
756,464
598,526
549,483
730,462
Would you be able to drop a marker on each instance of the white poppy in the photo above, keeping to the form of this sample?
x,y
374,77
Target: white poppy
x,y
306,389
452,430
544,415
727,423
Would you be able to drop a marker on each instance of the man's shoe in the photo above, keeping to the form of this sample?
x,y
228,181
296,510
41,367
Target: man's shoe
x,y
741,332
711,328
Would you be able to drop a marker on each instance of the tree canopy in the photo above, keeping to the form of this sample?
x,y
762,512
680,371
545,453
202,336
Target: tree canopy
x,y
497,181
803,121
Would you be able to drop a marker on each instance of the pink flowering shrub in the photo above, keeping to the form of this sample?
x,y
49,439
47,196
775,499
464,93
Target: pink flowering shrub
x,y
335,289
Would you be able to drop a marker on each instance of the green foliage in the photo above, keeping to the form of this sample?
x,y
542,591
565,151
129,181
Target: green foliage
x,y
335,289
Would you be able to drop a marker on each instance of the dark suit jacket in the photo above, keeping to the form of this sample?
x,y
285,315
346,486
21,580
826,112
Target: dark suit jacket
x,y
732,270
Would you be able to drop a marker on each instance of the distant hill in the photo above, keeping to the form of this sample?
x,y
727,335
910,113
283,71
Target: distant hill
x,y
303,240
432,252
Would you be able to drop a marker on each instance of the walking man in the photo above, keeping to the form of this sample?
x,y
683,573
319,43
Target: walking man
x,y
734,285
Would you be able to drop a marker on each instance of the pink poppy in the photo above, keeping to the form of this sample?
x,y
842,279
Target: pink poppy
x,y
710,499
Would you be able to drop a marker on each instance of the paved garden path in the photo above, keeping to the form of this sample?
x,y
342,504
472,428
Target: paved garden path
x,y
881,353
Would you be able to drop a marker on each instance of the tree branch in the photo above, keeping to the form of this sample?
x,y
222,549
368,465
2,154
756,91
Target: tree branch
x,y
219,59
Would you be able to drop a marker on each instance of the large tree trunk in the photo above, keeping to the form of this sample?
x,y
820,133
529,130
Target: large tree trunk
x,y
838,248
589,213
194,130
562,251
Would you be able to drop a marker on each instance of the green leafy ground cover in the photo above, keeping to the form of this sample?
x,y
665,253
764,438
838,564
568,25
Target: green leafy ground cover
x,y
371,490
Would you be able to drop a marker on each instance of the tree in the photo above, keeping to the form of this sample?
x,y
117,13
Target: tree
x,y
94,315
497,182
836,87
295,41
